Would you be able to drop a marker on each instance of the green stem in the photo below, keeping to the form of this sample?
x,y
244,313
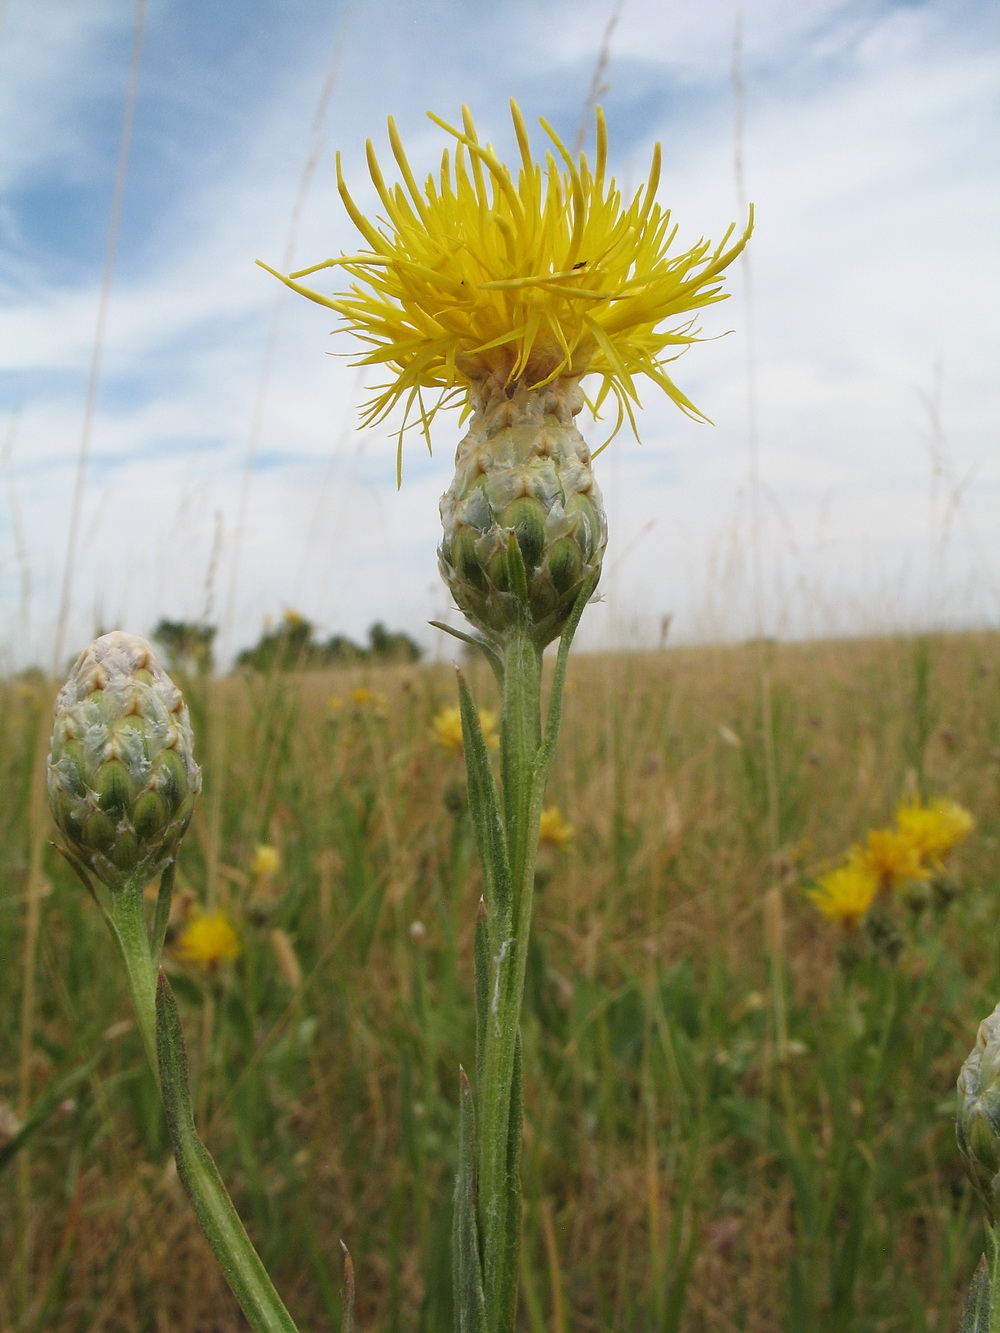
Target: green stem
x,y
127,917
219,1219
159,1026
499,1139
525,757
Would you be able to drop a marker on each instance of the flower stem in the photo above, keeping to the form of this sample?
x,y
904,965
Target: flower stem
x,y
126,915
159,1026
499,1090
525,757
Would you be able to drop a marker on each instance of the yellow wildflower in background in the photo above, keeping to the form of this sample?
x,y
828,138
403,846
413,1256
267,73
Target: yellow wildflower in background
x,y
844,895
483,274
208,939
936,828
892,856
266,862
553,830
334,703
362,697
447,729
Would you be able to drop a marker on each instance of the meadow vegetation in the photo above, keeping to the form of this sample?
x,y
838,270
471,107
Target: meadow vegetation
x,y
737,1116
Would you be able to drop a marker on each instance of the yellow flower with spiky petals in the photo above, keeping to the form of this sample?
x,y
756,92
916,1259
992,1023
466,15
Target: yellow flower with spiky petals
x,y
844,895
483,276
935,828
446,729
554,830
208,939
893,856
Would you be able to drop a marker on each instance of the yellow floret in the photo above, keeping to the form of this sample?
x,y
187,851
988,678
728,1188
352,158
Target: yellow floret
x,y
483,274
935,828
553,829
845,894
266,862
208,939
447,729
893,856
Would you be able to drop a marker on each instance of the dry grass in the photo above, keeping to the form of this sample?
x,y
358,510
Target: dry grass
x,y
678,1172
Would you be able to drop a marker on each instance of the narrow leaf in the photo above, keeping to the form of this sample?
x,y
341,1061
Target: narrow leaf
x,y
161,917
467,1266
976,1315
481,952
347,1323
484,807
473,642
511,1239
219,1220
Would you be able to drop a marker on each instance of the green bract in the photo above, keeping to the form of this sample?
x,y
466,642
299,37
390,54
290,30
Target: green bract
x,y
978,1126
523,469
121,772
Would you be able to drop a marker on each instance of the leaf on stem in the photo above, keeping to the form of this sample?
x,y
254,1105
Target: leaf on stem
x,y
484,807
976,1315
470,1303
481,953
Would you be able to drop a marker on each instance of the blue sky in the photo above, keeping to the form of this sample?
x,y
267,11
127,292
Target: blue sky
x,y
866,311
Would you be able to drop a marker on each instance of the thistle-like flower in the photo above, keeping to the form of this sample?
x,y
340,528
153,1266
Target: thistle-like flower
x,y
121,772
935,829
208,939
978,1126
504,292
845,894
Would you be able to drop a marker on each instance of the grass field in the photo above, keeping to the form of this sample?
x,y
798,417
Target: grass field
x,y
734,1121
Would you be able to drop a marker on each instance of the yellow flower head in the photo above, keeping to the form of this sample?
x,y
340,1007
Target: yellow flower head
x,y
447,729
936,828
528,276
362,697
266,862
844,895
893,856
553,830
208,939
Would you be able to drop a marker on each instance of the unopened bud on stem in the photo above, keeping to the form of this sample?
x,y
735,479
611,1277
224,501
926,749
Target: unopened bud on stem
x,y
978,1126
523,470
121,772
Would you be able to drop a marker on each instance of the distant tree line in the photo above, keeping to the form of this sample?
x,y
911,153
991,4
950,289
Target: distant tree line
x,y
292,646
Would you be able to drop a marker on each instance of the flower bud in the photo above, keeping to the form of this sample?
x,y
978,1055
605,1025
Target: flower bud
x,y
121,772
978,1126
523,469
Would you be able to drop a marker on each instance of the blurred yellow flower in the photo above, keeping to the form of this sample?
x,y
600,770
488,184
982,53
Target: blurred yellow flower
x,y
844,895
529,277
362,697
935,828
208,939
553,830
334,703
447,729
892,855
266,862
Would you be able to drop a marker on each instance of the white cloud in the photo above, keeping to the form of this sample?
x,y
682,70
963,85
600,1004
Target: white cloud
x,y
866,152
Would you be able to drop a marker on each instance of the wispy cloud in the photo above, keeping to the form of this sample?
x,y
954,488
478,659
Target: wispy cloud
x,y
867,152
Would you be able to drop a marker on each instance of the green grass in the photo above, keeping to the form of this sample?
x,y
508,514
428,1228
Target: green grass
x,y
729,1124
